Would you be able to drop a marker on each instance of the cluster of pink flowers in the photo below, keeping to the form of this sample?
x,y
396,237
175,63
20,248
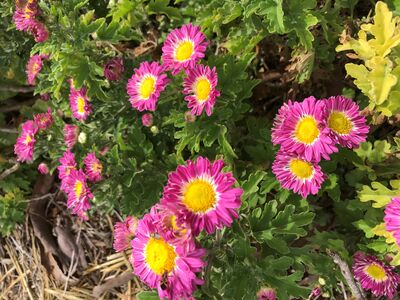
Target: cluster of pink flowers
x,y
25,144
79,102
25,20
309,131
198,196
74,181
182,50
375,276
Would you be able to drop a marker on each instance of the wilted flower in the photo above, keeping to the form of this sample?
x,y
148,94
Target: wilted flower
x,y
114,69
34,66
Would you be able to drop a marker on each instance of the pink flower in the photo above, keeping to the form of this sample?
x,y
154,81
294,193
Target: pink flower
x,y
39,31
145,86
347,126
315,293
375,276
70,135
34,66
200,86
278,122
45,97
79,193
147,120
392,218
114,69
79,102
266,294
183,48
93,167
43,121
124,232
297,174
25,144
202,194
303,132
24,17
161,264
67,164
43,169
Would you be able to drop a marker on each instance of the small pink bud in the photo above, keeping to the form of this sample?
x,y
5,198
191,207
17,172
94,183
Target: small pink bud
x,y
147,120
43,169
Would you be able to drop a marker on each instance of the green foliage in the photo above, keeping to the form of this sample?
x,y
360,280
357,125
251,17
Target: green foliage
x,y
12,207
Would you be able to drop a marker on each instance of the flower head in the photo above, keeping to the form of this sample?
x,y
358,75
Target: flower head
x,y
375,276
70,135
67,164
392,218
183,47
297,174
315,293
302,131
266,293
164,265
24,17
347,126
278,122
93,167
203,194
114,69
124,232
25,144
78,193
79,102
43,169
34,66
145,86
147,120
39,31
200,86
43,121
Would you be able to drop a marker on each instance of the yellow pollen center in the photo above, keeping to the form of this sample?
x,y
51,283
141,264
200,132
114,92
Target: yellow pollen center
x,y
199,196
28,139
307,130
376,272
174,225
68,170
80,103
147,87
35,67
301,169
78,188
97,168
160,256
202,89
339,122
184,51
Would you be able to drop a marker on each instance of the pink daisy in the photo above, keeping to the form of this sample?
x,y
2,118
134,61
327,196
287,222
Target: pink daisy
x,y
67,164
347,126
164,265
203,194
43,121
266,294
93,167
24,17
375,276
39,31
200,85
79,102
278,121
303,131
78,193
43,169
114,69
183,47
392,218
145,86
70,135
297,174
124,232
147,120
26,142
34,66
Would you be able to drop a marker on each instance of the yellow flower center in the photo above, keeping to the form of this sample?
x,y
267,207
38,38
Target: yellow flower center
x,y
80,103
339,122
202,89
147,87
376,272
199,196
174,225
301,169
35,67
184,51
78,188
68,169
97,168
307,130
28,139
160,256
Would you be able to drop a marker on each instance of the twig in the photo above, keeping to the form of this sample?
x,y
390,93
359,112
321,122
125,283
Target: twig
x,y
348,276
17,89
343,290
41,197
112,283
9,171
8,130
17,106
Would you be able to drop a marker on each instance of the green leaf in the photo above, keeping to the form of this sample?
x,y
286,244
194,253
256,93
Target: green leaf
x,y
379,194
161,7
144,295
